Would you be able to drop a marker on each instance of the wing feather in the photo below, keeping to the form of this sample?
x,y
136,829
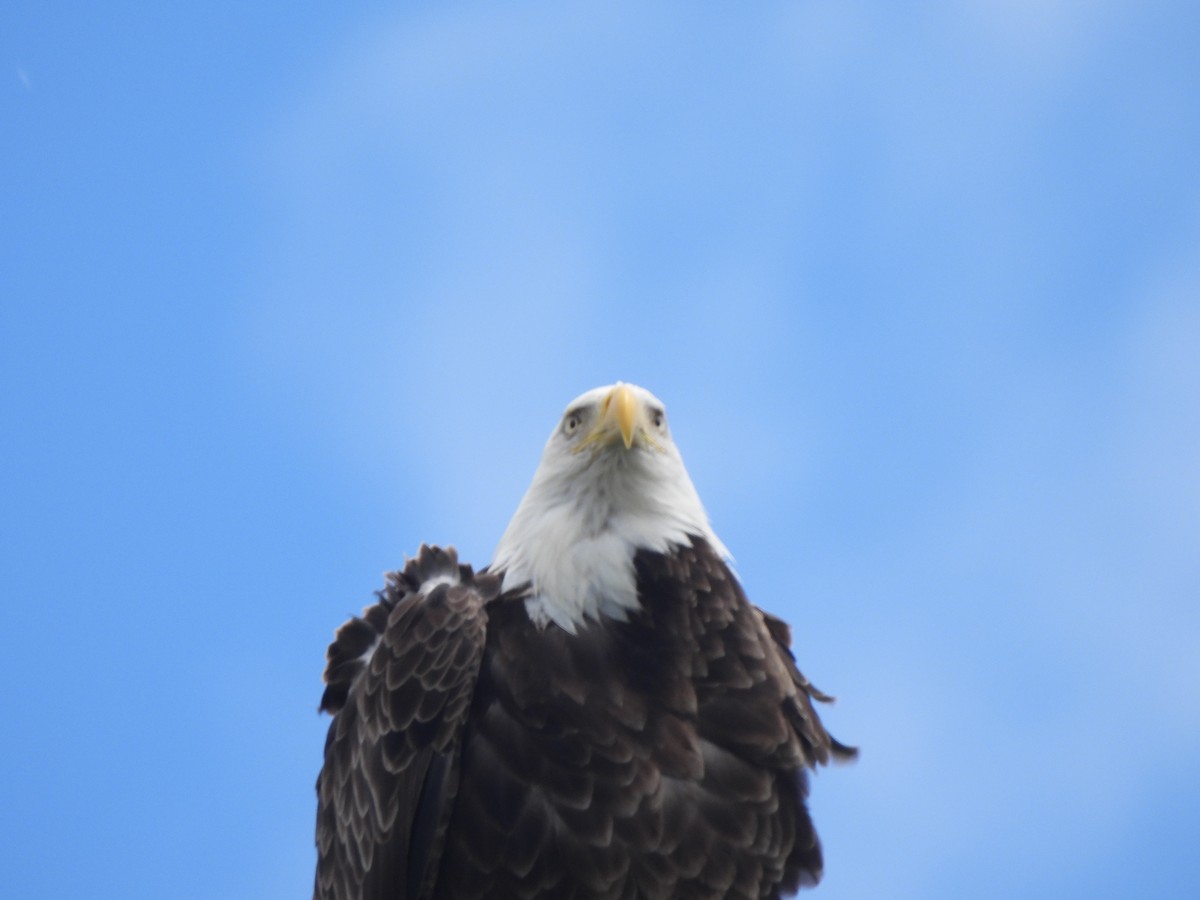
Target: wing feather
x,y
400,681
822,746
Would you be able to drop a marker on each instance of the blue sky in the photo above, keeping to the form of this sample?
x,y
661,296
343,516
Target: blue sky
x,y
287,291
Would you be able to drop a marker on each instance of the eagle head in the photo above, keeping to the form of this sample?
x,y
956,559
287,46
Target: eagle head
x,y
611,482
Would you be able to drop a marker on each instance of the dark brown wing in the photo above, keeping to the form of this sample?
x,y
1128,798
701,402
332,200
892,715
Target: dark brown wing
x,y
400,681
805,862
821,746
752,830
755,723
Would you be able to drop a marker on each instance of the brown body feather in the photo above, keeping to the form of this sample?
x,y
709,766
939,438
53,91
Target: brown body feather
x,y
474,754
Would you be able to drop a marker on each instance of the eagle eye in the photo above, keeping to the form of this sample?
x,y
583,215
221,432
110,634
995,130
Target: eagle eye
x,y
572,421
658,417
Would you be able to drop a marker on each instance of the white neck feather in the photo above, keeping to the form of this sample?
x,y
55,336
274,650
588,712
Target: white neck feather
x,y
584,517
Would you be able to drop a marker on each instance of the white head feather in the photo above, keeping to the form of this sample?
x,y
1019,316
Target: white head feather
x,y
611,482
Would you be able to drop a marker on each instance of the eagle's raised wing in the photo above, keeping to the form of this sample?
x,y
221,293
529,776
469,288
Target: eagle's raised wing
x,y
400,682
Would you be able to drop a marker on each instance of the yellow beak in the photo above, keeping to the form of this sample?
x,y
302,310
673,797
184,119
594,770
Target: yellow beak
x,y
620,412
623,406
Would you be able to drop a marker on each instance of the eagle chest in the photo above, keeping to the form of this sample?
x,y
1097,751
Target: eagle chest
x,y
618,760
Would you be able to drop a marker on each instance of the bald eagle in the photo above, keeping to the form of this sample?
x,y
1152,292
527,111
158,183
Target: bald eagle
x,y
601,713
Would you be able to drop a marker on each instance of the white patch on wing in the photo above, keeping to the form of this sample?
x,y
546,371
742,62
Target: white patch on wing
x,y
426,588
431,584
360,666
365,659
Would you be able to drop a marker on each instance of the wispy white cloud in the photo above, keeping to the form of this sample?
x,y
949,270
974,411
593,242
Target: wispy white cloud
x,y
1038,40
